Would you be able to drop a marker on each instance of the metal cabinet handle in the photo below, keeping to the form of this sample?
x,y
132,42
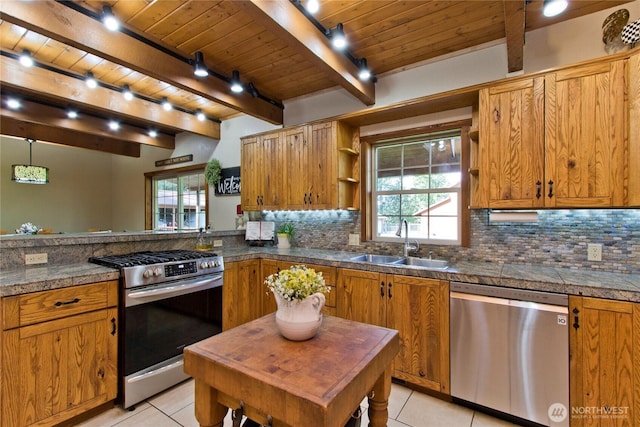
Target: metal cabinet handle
x,y
73,301
538,189
576,319
496,115
389,290
550,189
382,289
113,326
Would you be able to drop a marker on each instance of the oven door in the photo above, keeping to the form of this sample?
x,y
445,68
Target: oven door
x,y
159,322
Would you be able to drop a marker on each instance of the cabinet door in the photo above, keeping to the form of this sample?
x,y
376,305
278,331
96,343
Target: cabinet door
x,y
511,152
250,169
271,173
322,166
270,267
604,354
240,297
419,310
58,369
362,296
585,135
298,184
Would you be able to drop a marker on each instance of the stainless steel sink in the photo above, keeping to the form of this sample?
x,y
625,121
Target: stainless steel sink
x,y
432,264
377,259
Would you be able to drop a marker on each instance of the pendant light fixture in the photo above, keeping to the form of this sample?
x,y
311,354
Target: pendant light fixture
x,y
29,174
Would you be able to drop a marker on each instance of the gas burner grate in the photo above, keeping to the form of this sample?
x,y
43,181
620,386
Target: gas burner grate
x,y
149,257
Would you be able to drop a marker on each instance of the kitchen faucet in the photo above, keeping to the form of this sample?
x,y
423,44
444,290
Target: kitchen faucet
x,y
407,246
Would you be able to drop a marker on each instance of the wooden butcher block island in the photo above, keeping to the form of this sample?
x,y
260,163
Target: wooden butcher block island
x,y
319,382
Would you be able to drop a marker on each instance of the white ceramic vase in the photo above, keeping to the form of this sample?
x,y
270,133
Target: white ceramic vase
x,y
283,241
300,320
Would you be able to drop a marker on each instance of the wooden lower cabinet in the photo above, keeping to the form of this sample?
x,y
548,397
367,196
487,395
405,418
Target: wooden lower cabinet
x,y
61,367
241,297
418,308
604,362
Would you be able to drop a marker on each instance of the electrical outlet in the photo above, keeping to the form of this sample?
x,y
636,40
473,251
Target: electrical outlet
x,y
354,239
594,252
30,259
217,243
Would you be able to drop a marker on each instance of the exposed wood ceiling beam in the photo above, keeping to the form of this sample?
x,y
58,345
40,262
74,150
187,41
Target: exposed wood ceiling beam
x,y
17,124
41,83
287,23
65,25
514,22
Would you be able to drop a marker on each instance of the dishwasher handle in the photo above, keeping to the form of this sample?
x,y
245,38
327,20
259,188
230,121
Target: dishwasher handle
x,y
509,302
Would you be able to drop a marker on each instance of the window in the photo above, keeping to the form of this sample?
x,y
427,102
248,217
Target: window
x,y
179,200
418,178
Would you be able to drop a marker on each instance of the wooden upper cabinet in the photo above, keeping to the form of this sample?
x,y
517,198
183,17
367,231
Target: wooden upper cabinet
x,y
511,150
633,73
585,136
556,140
301,168
261,171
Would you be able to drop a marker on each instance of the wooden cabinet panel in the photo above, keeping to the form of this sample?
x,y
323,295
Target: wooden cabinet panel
x,y
57,369
261,171
321,166
241,293
512,146
418,308
250,170
297,158
604,354
585,136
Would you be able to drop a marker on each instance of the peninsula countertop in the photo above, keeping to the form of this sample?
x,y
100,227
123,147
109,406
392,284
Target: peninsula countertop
x,y
617,286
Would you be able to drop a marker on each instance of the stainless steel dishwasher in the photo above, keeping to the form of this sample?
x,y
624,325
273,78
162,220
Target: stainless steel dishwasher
x,y
510,351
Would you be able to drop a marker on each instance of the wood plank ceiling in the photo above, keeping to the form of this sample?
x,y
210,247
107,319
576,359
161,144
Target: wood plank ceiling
x,y
270,43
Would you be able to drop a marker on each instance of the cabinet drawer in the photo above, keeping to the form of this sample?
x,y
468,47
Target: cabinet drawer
x,y
28,309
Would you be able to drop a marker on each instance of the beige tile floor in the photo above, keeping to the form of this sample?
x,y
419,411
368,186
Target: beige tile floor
x,y
407,407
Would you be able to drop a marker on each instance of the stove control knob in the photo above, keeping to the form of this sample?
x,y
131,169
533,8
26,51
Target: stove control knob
x,y
212,264
157,272
147,273
215,264
204,264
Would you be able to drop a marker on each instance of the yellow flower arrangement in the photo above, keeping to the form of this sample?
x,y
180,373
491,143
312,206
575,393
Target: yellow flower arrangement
x,y
296,283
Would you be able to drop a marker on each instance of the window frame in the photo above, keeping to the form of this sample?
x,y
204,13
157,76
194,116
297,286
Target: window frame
x,y
151,177
368,144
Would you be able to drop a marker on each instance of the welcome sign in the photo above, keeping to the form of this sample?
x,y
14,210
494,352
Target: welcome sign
x,y
229,182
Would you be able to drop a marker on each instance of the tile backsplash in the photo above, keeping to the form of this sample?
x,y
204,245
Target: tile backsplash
x,y
558,239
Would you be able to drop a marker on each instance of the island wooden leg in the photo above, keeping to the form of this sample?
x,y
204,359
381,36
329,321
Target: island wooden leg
x,y
378,411
209,412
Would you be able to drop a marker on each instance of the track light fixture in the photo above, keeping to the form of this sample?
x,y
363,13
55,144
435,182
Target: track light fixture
x,y
126,92
166,105
313,6
109,19
338,38
114,125
153,133
364,73
553,7
26,59
200,115
13,103
251,88
199,67
72,114
90,81
236,85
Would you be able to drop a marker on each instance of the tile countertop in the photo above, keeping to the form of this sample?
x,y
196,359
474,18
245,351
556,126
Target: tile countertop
x,y
624,287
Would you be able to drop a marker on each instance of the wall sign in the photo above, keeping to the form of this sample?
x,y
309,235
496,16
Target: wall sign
x,y
229,182
174,160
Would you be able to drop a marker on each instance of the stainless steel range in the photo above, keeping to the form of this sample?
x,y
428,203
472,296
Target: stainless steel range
x,y
168,300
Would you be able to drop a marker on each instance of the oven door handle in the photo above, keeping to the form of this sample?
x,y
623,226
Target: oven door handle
x,y
176,290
